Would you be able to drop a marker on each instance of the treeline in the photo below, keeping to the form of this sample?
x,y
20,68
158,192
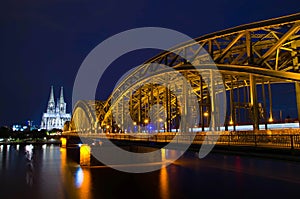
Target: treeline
x,y
6,133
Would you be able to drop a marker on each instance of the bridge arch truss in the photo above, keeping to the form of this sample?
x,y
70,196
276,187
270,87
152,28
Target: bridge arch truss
x,y
247,56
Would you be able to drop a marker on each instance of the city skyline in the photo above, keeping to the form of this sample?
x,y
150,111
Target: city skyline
x,y
44,44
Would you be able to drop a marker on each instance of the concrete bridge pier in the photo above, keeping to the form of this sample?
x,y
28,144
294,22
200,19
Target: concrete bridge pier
x,y
85,155
85,151
63,142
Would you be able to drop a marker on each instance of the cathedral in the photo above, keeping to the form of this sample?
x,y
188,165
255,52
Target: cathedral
x,y
56,116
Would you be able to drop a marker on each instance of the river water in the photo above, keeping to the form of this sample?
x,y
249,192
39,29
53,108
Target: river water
x,y
54,173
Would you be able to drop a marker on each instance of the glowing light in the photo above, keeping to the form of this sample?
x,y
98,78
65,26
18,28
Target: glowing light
x,y
29,152
164,183
146,121
134,123
85,154
79,177
271,119
107,126
231,122
63,142
205,114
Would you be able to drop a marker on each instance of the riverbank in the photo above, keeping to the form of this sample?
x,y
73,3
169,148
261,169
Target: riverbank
x,y
52,141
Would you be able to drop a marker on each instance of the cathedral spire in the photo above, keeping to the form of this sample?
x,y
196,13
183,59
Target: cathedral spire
x,y
51,99
51,103
61,99
62,104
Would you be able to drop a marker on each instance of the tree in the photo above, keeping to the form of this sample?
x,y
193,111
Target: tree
x,y
4,132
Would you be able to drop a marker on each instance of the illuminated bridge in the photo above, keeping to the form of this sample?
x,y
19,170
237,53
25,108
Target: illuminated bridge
x,y
249,58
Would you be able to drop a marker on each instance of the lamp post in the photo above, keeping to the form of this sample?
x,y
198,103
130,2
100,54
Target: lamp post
x,y
159,124
134,126
206,114
107,128
146,121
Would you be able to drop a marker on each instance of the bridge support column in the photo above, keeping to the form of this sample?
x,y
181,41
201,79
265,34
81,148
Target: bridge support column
x,y
213,101
63,142
295,45
201,103
264,106
232,107
85,155
297,88
185,112
253,102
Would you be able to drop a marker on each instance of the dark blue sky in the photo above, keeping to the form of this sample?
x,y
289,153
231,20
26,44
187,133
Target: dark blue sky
x,y
43,42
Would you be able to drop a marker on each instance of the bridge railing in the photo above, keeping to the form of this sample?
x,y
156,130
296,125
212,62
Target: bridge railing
x,y
289,141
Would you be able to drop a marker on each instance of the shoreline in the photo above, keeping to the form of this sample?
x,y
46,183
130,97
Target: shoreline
x,y
257,152
31,142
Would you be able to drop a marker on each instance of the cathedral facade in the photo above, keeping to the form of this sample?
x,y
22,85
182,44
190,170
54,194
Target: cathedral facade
x,y
55,116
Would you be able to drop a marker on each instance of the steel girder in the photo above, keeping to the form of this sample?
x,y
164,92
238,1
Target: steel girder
x,y
269,50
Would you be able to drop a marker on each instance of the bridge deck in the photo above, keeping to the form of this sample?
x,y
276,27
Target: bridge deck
x,y
284,138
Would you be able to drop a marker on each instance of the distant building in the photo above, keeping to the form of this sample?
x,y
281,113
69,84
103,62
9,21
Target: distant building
x,y
29,126
56,116
19,127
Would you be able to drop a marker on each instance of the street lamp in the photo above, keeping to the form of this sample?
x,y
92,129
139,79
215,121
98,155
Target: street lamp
x,y
146,121
134,127
206,114
107,128
271,119
160,120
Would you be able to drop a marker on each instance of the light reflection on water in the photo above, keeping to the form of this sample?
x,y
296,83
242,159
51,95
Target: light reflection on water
x,y
53,173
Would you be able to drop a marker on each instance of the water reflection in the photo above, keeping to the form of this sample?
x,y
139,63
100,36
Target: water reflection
x,y
29,152
164,183
29,173
53,173
163,175
79,177
76,180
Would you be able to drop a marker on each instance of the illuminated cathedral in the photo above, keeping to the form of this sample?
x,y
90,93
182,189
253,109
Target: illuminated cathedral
x,y
56,116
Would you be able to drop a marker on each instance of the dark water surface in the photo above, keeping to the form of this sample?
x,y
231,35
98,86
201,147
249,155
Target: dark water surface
x,y
53,173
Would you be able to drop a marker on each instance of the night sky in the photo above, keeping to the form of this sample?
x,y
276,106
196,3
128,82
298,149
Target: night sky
x,y
43,42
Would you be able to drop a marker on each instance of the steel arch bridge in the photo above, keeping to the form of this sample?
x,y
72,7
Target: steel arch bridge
x,y
247,56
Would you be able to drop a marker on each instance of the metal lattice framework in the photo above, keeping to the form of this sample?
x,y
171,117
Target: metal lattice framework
x,y
249,55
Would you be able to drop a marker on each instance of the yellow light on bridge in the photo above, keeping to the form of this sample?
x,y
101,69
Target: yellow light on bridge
x,y
63,142
134,123
85,155
146,121
107,126
205,114
231,122
271,119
